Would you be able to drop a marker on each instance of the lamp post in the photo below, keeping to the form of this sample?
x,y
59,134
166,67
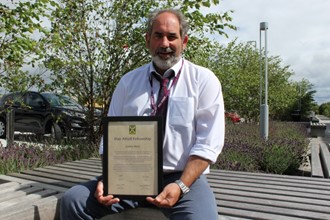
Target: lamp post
x,y
264,105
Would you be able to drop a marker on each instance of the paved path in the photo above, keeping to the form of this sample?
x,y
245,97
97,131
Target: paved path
x,y
316,141
326,121
326,139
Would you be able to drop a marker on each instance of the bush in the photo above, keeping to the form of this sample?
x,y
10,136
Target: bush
x,y
26,156
245,150
276,159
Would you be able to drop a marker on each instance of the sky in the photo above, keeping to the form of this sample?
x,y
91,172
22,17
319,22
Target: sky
x,y
298,32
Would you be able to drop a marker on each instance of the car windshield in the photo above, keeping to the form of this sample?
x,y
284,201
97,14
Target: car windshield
x,y
56,100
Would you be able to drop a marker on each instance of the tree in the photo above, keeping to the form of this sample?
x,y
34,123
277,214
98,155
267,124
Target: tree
x,y
304,98
324,109
20,21
281,90
94,42
237,65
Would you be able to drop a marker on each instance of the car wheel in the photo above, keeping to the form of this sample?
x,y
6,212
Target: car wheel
x,y
56,132
2,128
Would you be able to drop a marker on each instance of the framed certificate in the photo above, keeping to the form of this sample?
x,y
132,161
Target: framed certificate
x,y
132,156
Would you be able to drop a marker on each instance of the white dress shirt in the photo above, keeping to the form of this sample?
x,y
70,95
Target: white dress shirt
x,y
195,122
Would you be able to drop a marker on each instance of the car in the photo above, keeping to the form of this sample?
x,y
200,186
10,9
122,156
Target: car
x,y
43,114
233,116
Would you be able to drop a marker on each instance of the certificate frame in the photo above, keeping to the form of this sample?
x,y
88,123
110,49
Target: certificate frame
x,y
132,156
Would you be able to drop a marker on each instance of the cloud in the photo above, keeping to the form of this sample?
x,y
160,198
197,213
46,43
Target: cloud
x,y
298,33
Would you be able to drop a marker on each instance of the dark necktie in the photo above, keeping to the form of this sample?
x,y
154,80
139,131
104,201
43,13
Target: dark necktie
x,y
163,90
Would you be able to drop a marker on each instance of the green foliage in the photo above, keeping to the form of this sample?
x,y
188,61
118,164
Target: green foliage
x,y
19,22
21,157
92,43
303,99
16,79
277,159
245,150
31,155
237,65
324,109
283,152
238,161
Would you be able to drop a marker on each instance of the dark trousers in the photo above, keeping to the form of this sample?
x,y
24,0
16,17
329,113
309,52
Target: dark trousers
x,y
79,202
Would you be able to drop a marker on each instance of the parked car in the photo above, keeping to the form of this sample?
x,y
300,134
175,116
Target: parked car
x,y
43,114
233,116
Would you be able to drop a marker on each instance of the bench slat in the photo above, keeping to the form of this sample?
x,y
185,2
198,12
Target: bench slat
x,y
325,157
248,214
90,164
21,192
65,169
272,193
55,182
64,173
316,165
296,204
5,187
44,209
240,195
271,184
246,195
275,178
15,204
263,188
262,209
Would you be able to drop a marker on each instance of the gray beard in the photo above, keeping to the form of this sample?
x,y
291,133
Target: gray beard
x,y
165,64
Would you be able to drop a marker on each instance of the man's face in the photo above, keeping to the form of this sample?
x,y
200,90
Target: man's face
x,y
165,43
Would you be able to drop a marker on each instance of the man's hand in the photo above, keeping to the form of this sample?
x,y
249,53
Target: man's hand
x,y
168,197
104,200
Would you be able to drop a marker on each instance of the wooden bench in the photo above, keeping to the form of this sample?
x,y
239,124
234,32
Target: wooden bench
x,y
317,129
36,194
320,160
138,214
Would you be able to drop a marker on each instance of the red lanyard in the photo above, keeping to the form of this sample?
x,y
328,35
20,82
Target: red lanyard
x,y
161,102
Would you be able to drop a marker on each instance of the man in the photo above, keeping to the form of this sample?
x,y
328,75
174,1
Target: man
x,y
193,111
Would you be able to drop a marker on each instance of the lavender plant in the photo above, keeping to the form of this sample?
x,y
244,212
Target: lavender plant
x,y
245,150
26,156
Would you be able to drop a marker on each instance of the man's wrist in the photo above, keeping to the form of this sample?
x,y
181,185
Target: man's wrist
x,y
184,189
